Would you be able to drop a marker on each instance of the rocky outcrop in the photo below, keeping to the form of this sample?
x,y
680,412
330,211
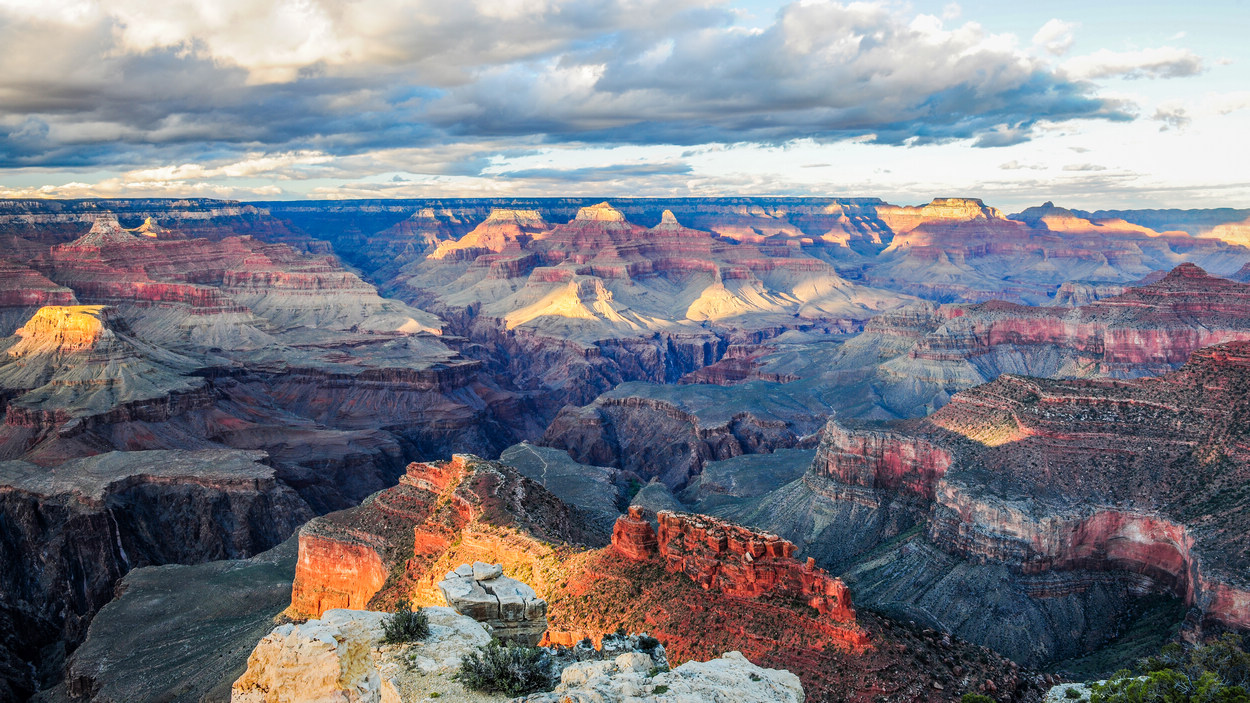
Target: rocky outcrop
x,y
440,515
1077,494
69,532
510,609
628,677
445,514
331,658
654,438
23,291
736,561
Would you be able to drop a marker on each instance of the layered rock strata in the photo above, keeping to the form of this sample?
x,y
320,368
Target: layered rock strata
x,y
736,561
1071,496
510,609
69,532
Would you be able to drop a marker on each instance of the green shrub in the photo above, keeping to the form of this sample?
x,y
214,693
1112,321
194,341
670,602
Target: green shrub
x,y
405,625
1214,673
975,698
1071,692
647,643
660,690
515,670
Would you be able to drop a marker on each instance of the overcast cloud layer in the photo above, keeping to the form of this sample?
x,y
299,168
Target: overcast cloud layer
x,y
195,94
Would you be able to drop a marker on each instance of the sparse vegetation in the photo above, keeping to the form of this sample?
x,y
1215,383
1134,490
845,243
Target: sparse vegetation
x,y
1072,693
975,698
660,690
405,625
1218,672
511,669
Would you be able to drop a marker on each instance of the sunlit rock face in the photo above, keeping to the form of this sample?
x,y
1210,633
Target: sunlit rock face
x,y
600,299
757,600
23,291
1142,330
332,658
734,560
490,514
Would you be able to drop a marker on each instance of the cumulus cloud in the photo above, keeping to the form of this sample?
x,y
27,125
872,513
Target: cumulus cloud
x,y
1056,37
1162,62
128,84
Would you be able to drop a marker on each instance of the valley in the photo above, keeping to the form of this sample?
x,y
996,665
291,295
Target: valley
x,y
959,447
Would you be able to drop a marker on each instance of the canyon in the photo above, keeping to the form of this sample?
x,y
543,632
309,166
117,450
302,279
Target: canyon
x,y
1028,513
332,370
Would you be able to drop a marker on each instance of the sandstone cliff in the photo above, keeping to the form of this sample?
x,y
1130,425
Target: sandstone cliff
x,y
1063,500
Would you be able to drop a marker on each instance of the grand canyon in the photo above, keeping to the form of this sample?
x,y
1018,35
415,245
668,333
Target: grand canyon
x,y
624,351
905,453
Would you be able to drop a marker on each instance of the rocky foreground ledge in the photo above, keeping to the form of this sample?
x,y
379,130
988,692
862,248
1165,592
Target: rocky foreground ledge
x,y
340,657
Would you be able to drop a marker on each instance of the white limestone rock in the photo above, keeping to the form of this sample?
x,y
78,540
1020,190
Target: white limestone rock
x,y
627,679
340,659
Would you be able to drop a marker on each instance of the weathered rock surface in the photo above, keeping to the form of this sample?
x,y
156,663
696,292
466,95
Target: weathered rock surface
x,y
490,514
180,633
906,363
67,533
1050,503
729,678
407,538
510,609
23,291
735,560
329,659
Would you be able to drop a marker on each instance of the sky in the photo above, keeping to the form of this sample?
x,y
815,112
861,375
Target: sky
x,y
1101,104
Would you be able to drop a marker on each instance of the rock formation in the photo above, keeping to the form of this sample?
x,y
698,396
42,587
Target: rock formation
x,y
331,658
729,678
736,561
510,609
490,514
211,614
23,291
406,539
68,532
1063,498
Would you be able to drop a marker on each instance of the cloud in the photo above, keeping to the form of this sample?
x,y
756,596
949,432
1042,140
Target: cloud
x,y
128,84
593,173
1056,37
1084,167
1163,62
1015,165
1172,118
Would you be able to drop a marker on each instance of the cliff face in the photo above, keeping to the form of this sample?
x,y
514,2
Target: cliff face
x,y
1068,496
1144,330
401,541
703,587
736,561
652,438
71,531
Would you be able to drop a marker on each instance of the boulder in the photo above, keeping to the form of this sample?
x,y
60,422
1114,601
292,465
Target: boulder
x,y
629,677
511,609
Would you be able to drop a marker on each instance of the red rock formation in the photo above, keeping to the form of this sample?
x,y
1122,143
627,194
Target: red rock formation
x,y
633,536
400,543
734,560
762,602
1146,476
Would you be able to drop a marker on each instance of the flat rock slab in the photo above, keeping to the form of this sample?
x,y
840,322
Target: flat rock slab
x,y
512,609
